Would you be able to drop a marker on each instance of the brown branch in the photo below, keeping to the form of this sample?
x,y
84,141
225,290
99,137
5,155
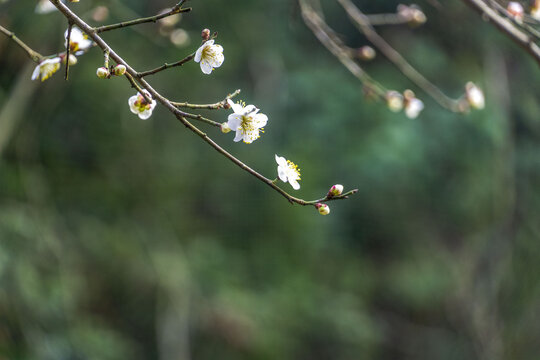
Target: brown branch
x,y
177,9
166,66
332,42
362,23
506,26
215,106
180,115
34,55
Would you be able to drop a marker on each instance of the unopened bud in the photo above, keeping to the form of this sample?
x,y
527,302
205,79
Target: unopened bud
x,y
205,34
394,100
102,73
515,9
119,70
366,53
474,96
535,9
225,128
335,190
323,209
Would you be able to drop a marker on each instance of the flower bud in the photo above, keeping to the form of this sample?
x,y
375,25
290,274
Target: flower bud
x,y
394,101
102,73
323,209
474,96
119,70
535,9
335,190
366,53
515,9
225,128
205,34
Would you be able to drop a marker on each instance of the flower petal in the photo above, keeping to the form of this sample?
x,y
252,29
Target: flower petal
x,y
206,68
295,185
234,121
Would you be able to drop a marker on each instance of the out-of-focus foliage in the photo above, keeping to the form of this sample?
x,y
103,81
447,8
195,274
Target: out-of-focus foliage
x,y
130,239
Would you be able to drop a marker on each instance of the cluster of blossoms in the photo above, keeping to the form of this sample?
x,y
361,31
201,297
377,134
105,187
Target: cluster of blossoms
x,y
516,10
79,43
407,102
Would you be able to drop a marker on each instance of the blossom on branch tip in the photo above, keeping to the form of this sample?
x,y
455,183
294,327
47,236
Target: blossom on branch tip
x,y
288,172
119,70
210,56
413,106
78,41
102,73
246,122
335,190
535,9
323,208
516,10
394,101
475,96
138,105
46,68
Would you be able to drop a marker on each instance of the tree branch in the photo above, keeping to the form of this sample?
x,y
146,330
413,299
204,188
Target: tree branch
x,y
506,26
180,115
34,55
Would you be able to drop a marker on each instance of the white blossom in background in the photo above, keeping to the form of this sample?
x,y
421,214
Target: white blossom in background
x,y
79,41
535,9
46,68
246,121
413,106
475,96
288,172
45,7
516,10
210,56
138,105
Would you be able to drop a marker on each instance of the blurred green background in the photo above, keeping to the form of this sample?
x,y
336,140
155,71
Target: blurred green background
x,y
130,239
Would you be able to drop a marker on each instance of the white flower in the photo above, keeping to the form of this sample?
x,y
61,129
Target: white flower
x,y
138,105
515,9
535,10
45,7
246,121
210,56
46,68
413,108
78,41
288,172
474,96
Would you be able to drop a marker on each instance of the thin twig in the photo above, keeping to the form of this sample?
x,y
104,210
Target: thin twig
x,y
177,9
331,41
166,66
506,26
180,115
215,106
68,47
34,55
362,23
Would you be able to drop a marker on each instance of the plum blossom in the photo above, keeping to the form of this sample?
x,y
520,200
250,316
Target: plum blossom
x,y
138,105
78,41
288,172
246,122
474,96
210,56
46,68
45,7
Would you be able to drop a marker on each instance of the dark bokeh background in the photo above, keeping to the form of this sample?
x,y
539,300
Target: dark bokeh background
x,y
130,239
